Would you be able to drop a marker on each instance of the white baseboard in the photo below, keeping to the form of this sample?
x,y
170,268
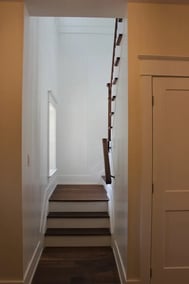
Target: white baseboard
x,y
133,281
121,268
79,179
33,264
109,191
119,262
50,188
28,275
11,282
38,250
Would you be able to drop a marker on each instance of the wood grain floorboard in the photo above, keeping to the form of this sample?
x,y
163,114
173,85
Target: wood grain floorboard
x,y
79,193
91,265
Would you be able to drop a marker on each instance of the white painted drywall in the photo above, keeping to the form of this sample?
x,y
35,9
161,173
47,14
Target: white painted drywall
x,y
84,70
40,75
118,191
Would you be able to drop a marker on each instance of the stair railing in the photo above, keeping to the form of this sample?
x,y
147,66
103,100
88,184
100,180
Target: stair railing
x,y
109,85
113,80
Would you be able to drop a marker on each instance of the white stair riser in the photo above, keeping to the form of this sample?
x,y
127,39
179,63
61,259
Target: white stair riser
x,y
78,206
78,223
77,241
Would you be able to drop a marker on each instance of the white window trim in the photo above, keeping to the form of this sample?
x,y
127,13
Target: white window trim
x,y
53,101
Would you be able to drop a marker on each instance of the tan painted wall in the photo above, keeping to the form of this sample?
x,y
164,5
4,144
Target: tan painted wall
x,y
156,29
11,34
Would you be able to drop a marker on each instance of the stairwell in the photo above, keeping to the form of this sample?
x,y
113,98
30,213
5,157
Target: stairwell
x,y
78,214
78,217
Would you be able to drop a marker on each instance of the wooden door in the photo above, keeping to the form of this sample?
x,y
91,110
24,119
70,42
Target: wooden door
x,y
170,208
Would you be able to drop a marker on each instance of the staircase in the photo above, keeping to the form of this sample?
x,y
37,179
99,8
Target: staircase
x,y
78,217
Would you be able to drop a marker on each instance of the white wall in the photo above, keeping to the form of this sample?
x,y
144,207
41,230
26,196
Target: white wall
x,y
118,191
40,74
85,64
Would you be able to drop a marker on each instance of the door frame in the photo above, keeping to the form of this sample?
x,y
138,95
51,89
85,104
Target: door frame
x,y
151,66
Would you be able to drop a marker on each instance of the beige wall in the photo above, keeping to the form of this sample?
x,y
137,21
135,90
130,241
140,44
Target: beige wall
x,y
11,33
156,29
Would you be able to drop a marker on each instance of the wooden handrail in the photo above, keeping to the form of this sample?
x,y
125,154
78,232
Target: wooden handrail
x,y
109,85
109,113
114,48
105,144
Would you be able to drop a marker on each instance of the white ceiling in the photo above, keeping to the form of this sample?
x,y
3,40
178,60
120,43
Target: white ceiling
x,y
86,8
77,8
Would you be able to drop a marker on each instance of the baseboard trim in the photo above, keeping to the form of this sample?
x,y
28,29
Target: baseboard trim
x,y
119,263
120,266
11,282
29,273
50,188
109,191
30,270
33,264
133,281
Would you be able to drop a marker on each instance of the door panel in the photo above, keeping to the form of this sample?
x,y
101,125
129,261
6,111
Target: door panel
x,y
170,214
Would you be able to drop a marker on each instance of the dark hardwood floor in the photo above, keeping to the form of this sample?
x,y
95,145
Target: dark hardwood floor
x,y
88,265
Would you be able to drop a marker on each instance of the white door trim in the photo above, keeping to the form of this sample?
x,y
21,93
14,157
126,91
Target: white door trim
x,y
151,66
163,65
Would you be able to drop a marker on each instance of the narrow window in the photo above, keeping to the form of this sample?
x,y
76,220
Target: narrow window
x,y
52,133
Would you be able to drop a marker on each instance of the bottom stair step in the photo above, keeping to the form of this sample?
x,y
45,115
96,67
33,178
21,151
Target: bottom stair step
x,y
77,237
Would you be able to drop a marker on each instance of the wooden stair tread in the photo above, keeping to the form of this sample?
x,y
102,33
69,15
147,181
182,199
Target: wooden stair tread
x,y
79,193
77,232
78,215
